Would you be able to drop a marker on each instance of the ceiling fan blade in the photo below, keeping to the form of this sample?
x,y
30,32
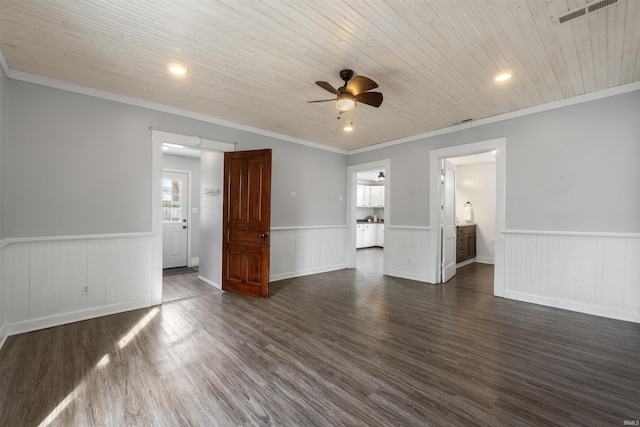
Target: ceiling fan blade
x,y
370,98
328,87
360,84
322,100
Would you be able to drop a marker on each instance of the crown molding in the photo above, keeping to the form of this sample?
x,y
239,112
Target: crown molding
x,y
97,93
591,96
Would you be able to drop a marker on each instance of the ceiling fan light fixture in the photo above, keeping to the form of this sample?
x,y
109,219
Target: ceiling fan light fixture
x,y
345,102
348,127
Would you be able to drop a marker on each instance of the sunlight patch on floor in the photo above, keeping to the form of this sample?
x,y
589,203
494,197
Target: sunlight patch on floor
x,y
104,361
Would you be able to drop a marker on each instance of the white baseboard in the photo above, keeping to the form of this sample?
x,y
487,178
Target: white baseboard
x,y
410,276
465,262
74,316
610,313
480,260
290,274
210,282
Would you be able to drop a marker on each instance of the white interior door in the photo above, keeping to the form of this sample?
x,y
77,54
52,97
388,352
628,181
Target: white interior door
x,y
175,223
449,228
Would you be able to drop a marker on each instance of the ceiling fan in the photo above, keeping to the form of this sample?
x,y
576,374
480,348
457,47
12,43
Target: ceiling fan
x,y
354,90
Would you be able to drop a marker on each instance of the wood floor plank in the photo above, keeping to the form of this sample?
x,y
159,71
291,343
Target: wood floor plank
x,y
349,347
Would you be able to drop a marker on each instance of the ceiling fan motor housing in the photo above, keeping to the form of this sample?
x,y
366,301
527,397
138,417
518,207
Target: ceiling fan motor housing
x,y
346,75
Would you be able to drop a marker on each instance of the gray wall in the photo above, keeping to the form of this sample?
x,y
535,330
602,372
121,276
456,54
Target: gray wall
x,y
82,165
572,169
193,165
211,167
318,177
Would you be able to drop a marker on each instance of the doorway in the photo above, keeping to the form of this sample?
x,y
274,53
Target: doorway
x,y
437,189
209,211
370,208
368,197
180,223
468,211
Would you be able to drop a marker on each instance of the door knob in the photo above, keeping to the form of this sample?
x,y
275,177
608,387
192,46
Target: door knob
x,y
184,227
184,220
264,236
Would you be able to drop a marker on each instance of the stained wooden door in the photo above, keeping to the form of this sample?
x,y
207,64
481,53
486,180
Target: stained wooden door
x,y
246,222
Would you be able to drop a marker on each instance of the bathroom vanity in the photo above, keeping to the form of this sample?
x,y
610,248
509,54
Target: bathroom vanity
x,y
466,242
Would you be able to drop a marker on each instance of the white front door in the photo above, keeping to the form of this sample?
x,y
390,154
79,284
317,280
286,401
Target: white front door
x,y
174,219
449,229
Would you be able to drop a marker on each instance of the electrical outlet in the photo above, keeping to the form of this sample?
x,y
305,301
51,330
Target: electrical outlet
x,y
85,290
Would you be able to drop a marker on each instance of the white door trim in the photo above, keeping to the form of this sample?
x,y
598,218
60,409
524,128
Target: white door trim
x,y
352,212
435,189
188,173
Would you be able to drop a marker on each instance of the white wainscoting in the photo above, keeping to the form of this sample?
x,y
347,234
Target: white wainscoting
x,y
408,252
300,251
593,273
43,278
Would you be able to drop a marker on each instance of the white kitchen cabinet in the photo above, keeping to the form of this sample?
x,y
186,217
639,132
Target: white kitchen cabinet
x,y
380,235
377,197
369,235
365,235
363,196
359,236
370,196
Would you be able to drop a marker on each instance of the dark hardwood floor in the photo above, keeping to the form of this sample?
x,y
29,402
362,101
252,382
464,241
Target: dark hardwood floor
x,y
183,283
339,348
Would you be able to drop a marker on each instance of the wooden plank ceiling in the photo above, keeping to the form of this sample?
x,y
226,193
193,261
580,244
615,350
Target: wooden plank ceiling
x,y
255,62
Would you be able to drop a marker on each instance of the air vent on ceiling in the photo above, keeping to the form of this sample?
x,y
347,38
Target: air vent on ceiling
x,y
590,7
572,15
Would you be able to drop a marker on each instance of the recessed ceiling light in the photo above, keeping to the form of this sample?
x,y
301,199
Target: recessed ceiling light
x,y
177,69
502,77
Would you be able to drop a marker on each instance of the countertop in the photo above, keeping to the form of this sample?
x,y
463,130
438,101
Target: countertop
x,y
465,224
364,221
